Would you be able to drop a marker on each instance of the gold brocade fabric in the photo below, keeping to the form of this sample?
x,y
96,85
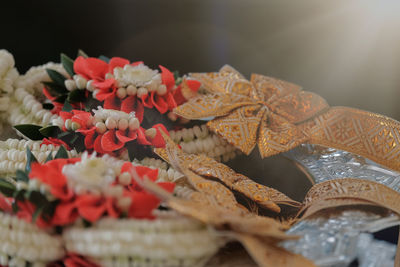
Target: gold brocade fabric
x,y
350,191
278,116
195,167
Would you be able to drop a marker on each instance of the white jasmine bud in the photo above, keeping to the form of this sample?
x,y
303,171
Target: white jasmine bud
x,y
101,127
131,90
81,82
134,124
70,84
75,126
162,89
121,93
123,124
142,91
151,133
111,123
68,124
89,86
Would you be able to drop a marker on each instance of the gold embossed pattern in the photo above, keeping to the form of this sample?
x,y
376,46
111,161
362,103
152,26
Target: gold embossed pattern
x,y
350,191
264,111
197,166
277,116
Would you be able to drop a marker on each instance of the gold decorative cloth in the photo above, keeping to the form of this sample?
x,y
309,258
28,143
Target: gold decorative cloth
x,y
195,167
278,116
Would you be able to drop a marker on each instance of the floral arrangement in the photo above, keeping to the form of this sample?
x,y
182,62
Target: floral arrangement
x,y
119,164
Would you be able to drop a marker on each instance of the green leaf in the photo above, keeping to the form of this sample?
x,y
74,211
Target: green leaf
x,y
56,77
22,176
55,88
76,96
37,214
6,188
30,158
61,153
81,53
64,134
67,106
31,131
50,131
68,64
49,157
104,58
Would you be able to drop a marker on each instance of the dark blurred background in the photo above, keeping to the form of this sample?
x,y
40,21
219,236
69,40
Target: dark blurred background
x,y
346,51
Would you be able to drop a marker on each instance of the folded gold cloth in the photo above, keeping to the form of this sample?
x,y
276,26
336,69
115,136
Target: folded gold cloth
x,y
278,116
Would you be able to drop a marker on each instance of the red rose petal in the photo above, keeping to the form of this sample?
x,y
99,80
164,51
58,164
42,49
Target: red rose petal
x,y
158,140
171,101
142,205
117,62
150,173
90,68
159,103
97,144
65,213
193,85
112,102
106,93
109,142
121,135
65,115
112,211
47,94
137,63
167,77
142,137
167,186
90,207
128,104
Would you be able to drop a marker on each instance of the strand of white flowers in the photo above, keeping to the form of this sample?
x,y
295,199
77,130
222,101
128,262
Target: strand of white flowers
x,y
198,140
144,240
13,153
25,108
8,76
33,78
23,241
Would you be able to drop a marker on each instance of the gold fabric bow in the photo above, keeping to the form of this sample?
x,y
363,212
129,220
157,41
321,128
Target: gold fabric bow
x,y
278,116
263,111
194,166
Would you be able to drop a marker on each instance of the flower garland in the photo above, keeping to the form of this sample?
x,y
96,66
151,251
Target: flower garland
x,y
109,106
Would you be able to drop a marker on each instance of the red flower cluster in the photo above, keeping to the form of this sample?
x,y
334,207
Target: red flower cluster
x,y
112,139
96,70
88,206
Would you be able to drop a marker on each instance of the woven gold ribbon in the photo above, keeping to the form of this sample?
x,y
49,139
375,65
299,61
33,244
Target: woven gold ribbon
x,y
278,116
197,166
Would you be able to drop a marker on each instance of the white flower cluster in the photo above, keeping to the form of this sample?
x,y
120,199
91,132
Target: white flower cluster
x,y
8,75
26,109
32,80
198,140
23,242
138,80
113,119
167,241
95,175
13,154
